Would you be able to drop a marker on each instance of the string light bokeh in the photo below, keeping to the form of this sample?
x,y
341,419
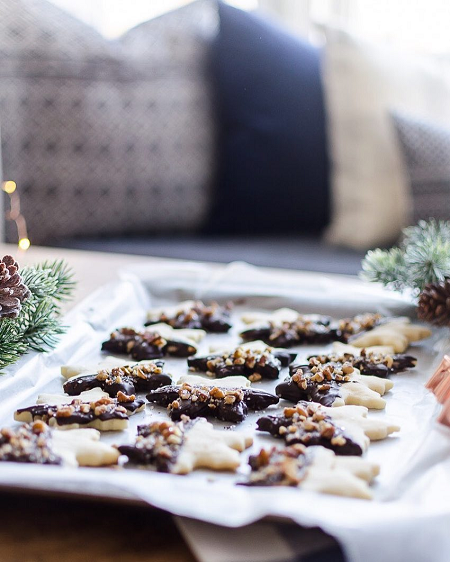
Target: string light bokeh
x,y
14,214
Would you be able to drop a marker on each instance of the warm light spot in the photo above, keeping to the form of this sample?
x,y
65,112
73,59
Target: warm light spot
x,y
9,186
24,243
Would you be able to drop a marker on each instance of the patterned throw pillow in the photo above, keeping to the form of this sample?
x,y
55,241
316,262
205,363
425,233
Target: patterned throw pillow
x,y
107,137
426,150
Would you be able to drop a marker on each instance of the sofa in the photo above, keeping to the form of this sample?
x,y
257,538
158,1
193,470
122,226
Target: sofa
x,y
207,133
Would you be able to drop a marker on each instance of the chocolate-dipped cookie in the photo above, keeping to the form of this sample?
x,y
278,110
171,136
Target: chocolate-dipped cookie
x,y
368,363
147,344
307,330
226,404
317,469
28,444
255,364
334,385
37,443
128,379
182,447
105,414
310,426
212,318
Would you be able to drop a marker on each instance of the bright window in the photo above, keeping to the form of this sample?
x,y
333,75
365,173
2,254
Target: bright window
x,y
114,17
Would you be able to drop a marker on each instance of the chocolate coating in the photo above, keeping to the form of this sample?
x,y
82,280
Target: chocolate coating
x,y
293,392
30,443
146,345
248,363
214,318
82,413
377,364
316,382
80,384
311,330
275,467
201,401
128,379
157,444
304,424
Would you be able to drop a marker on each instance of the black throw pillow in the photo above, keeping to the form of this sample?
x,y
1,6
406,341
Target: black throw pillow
x,y
273,164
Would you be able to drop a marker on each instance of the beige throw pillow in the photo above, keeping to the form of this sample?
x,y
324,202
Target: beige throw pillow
x,y
363,84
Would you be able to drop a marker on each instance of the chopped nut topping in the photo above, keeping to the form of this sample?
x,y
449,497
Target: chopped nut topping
x,y
122,397
307,424
102,375
65,411
252,363
213,317
80,412
289,412
339,441
279,468
216,392
28,443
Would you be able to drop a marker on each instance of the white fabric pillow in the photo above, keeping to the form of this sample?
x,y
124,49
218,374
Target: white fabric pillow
x,y
363,83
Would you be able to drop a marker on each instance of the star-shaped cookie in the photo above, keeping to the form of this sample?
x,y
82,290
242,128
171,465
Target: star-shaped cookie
x,y
334,385
226,404
153,343
255,361
345,430
287,328
398,333
314,469
37,443
109,362
212,318
129,379
367,362
86,410
258,346
182,447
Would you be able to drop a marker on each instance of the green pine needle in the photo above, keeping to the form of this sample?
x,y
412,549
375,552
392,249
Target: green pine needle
x,y
38,325
423,257
385,266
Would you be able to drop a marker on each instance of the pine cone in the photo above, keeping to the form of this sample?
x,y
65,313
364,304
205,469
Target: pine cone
x,y
12,291
434,303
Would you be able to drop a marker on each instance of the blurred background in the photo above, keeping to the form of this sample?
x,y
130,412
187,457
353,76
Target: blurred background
x,y
415,25
287,133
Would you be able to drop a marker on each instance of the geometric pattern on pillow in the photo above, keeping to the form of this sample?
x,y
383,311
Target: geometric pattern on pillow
x,y
426,151
107,137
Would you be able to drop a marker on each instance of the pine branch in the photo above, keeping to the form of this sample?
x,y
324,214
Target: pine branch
x,y
387,267
428,261
49,280
38,325
423,257
432,230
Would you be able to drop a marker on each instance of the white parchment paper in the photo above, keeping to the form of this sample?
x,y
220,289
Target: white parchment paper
x,y
409,518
